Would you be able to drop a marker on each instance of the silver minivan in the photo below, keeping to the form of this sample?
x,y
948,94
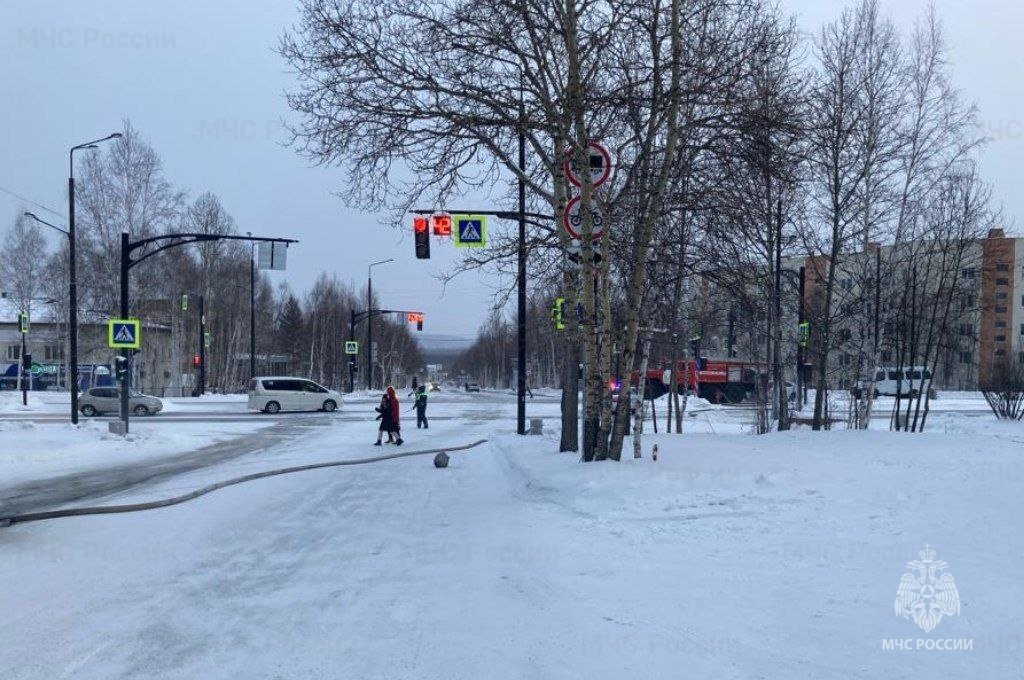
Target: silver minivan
x,y
285,393
97,400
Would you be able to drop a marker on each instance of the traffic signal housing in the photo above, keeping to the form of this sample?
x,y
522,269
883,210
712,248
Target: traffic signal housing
x,y
421,233
558,313
26,361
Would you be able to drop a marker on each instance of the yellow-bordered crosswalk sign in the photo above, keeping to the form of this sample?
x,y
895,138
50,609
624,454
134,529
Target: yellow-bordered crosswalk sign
x,y
470,231
124,334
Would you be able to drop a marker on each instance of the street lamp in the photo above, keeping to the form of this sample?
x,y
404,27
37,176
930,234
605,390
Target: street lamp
x,y
369,320
73,285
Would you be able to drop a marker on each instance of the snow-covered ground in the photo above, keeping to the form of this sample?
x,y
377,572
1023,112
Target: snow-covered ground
x,y
732,556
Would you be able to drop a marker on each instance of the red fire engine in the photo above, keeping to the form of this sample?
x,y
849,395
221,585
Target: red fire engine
x,y
721,381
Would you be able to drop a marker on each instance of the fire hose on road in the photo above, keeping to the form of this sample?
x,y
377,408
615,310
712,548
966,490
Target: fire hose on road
x,y
163,503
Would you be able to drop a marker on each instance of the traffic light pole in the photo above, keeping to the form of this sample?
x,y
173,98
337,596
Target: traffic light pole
x,y
155,245
123,368
202,347
24,373
368,314
522,217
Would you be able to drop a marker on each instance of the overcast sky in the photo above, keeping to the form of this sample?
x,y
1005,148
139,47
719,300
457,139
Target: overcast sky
x,y
202,84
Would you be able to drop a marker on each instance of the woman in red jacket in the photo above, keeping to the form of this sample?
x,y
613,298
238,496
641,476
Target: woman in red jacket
x,y
389,411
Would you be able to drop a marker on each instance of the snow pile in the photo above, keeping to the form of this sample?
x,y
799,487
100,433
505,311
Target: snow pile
x,y
32,452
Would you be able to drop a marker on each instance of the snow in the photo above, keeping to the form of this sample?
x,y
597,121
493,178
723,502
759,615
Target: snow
x,y
34,451
732,556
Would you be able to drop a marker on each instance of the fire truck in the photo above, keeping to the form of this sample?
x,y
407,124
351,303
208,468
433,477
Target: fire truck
x,y
721,381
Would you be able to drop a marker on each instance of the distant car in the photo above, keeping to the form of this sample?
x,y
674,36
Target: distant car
x,y
99,400
472,387
284,393
434,387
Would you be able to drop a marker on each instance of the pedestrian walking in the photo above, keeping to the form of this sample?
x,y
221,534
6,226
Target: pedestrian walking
x,y
421,408
389,418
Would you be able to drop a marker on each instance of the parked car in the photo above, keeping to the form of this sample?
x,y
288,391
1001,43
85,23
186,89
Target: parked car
x,y
472,387
284,393
98,400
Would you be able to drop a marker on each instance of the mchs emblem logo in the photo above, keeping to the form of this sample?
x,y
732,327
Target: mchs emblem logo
x,y
926,595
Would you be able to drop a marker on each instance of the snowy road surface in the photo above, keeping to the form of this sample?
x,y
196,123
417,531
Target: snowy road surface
x,y
731,557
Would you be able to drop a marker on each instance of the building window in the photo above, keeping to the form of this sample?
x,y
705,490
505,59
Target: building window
x,y
13,352
1000,338
1020,357
1002,282
1000,352
966,358
1000,324
966,329
53,352
1002,267
969,272
1000,310
1001,296
967,302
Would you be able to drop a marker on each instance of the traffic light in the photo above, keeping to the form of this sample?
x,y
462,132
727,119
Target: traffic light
x,y
196,360
557,313
26,361
184,303
121,368
805,333
23,322
422,235
441,224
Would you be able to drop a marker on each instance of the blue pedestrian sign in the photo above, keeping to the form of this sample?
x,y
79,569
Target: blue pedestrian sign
x,y
124,334
470,231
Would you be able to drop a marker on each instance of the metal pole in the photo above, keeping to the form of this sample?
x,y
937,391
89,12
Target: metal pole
x,y
72,297
24,377
369,329
252,314
202,347
125,367
521,292
352,357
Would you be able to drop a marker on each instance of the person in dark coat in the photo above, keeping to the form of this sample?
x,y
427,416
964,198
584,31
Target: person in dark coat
x,y
389,418
421,408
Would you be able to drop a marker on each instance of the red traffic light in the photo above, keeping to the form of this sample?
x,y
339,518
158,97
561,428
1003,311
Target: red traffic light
x,y
441,224
419,224
195,360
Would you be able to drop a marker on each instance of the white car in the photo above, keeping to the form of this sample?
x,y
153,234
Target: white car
x,y
285,393
907,382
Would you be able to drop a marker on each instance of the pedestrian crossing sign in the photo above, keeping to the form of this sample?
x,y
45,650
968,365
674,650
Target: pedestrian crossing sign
x,y
470,231
124,334
351,347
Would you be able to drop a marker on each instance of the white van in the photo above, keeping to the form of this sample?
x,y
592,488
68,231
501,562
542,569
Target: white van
x,y
907,382
283,393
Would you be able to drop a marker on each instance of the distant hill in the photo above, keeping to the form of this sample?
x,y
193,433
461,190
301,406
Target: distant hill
x,y
439,349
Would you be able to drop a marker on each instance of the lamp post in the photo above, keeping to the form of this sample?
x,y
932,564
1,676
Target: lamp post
x,y
73,284
369,320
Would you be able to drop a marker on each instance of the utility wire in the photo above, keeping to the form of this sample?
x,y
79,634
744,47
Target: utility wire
x,y
31,202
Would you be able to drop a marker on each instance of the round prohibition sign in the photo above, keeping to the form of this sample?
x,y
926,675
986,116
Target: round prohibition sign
x,y
572,218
